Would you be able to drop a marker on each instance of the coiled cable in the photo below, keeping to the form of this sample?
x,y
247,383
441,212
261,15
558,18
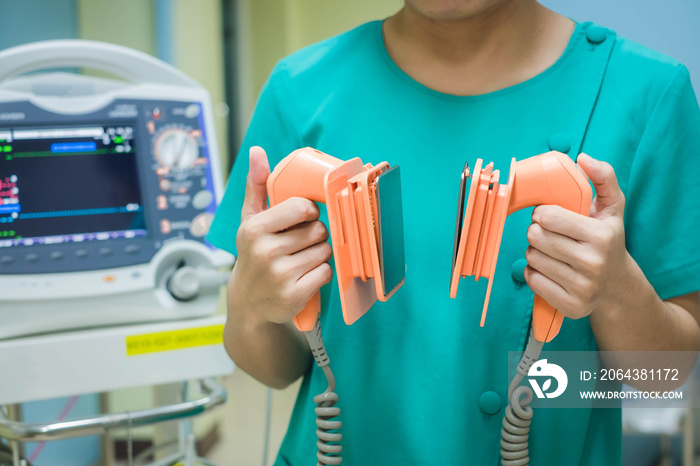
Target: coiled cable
x,y
518,416
329,448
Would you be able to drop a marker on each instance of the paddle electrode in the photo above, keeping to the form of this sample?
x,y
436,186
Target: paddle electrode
x,y
549,179
365,219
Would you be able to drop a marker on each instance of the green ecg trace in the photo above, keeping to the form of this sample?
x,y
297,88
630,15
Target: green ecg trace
x,y
24,155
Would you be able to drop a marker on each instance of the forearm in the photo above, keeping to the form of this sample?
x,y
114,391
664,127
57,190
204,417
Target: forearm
x,y
636,319
637,330
274,354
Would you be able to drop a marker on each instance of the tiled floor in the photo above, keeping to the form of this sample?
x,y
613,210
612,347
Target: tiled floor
x,y
243,427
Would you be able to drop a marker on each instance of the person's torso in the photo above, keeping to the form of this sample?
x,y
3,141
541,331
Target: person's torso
x,y
417,376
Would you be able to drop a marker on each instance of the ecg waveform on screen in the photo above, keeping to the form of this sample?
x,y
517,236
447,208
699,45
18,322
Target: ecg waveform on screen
x,y
80,212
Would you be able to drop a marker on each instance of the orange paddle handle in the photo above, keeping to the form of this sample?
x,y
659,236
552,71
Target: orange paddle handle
x,y
306,319
546,321
550,178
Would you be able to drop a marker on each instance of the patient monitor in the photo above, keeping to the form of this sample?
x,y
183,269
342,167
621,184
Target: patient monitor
x,y
107,188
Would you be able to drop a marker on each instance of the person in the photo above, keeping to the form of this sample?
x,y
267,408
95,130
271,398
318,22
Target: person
x,y
439,83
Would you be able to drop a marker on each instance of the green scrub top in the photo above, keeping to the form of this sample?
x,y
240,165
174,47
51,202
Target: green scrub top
x,y
419,381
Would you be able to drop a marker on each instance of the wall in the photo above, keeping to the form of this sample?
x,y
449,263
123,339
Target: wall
x,y
671,26
198,51
126,22
33,20
276,29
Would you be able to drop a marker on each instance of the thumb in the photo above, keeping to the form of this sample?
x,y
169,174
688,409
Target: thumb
x,y
256,186
609,199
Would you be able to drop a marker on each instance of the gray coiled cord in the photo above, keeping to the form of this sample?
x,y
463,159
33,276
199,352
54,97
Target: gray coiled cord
x,y
328,453
516,422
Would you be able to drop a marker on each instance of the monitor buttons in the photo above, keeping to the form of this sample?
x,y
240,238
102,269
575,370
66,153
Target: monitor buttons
x,y
7,260
57,256
81,254
133,249
202,199
165,184
106,252
200,224
192,111
32,258
165,227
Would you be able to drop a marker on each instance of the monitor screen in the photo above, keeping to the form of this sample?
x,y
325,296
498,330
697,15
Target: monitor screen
x,y
69,184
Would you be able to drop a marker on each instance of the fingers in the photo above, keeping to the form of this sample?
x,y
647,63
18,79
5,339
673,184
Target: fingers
x,y
301,237
313,280
301,275
304,261
601,175
609,197
559,247
560,273
565,222
554,294
288,214
256,186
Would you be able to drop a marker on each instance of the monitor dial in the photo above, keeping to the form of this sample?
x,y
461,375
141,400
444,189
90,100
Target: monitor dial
x,y
177,149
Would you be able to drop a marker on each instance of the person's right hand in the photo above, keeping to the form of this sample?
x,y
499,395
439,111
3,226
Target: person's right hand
x,y
283,252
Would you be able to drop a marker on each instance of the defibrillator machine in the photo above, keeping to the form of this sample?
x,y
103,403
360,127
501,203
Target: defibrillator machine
x,y
108,186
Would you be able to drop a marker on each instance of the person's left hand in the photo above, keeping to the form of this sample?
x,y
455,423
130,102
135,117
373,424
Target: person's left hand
x,y
576,263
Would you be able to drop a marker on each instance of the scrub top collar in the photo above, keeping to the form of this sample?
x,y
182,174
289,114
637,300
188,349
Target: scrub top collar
x,y
584,34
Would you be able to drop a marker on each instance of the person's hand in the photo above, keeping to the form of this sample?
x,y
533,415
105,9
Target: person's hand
x,y
576,263
283,252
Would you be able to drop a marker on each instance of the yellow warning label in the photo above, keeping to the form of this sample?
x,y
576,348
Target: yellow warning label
x,y
174,340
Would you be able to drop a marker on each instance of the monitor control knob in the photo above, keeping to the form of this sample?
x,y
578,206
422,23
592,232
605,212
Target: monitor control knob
x,y
177,149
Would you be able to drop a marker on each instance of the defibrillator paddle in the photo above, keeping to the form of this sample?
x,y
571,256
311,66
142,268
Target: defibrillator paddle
x,y
551,179
365,219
